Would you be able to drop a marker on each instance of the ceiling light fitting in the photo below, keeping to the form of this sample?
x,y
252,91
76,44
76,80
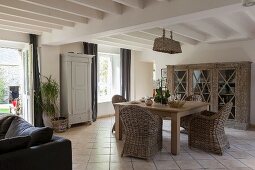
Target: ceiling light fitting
x,y
248,3
167,45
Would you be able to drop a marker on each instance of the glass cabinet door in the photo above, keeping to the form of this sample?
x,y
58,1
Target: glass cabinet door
x,y
180,82
201,84
226,89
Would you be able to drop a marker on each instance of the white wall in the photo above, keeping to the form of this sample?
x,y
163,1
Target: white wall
x,y
14,36
206,53
73,47
143,79
49,61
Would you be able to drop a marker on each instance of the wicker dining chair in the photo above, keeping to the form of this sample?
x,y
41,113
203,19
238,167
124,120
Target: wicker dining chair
x,y
185,121
207,132
117,99
143,132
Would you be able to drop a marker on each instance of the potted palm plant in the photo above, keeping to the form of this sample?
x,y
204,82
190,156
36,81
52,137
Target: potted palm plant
x,y
50,93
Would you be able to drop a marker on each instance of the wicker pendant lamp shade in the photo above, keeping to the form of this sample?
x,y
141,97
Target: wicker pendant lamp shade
x,y
167,45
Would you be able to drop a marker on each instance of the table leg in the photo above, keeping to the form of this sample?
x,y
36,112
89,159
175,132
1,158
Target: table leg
x,y
118,124
175,134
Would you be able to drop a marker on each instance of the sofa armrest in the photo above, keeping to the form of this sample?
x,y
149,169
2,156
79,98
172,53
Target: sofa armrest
x,y
54,155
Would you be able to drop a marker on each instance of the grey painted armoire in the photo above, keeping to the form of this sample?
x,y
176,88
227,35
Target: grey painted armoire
x,y
75,87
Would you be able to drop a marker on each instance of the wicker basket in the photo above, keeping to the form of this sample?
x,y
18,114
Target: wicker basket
x,y
176,103
167,45
60,124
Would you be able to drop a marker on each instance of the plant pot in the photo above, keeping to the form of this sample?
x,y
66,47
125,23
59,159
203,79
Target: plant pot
x,y
47,120
60,124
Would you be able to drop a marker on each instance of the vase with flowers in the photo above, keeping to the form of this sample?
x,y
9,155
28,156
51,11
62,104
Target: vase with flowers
x,y
162,93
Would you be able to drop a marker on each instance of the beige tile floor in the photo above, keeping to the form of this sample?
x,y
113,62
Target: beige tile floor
x,y
95,148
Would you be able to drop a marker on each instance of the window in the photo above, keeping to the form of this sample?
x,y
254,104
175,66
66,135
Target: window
x,y
108,76
105,77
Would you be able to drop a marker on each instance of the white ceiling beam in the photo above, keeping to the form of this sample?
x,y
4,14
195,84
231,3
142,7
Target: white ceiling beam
x,y
120,41
118,45
11,44
231,39
23,14
212,29
238,25
107,6
22,30
28,21
142,35
156,14
132,3
182,29
28,7
127,37
24,26
68,7
250,14
158,32
13,36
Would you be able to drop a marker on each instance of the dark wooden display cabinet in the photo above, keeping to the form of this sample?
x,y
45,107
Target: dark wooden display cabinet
x,y
217,83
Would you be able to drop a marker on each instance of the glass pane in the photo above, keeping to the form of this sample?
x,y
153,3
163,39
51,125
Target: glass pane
x,y
201,84
180,83
226,89
105,76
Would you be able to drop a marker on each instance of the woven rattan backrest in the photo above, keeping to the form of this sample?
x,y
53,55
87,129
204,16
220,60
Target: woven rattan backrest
x,y
225,111
194,97
118,99
137,120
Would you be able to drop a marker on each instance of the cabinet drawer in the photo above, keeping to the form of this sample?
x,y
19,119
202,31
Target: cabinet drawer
x,y
73,119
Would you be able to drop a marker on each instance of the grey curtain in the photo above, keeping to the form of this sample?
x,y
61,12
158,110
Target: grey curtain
x,y
91,49
125,65
38,121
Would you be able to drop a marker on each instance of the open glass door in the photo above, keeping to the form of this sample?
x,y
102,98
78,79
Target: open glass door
x,y
28,97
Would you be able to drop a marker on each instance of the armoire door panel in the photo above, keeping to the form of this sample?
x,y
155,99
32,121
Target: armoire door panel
x,y
79,100
79,84
80,74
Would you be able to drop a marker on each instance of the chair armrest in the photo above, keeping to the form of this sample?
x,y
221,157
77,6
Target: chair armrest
x,y
206,115
201,124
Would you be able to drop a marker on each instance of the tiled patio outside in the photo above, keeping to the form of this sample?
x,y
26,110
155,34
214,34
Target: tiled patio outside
x,y
95,148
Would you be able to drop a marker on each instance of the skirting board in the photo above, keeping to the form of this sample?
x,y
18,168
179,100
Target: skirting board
x,y
237,125
106,115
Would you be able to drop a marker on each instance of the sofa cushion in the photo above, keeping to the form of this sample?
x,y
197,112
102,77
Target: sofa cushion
x,y
39,135
5,122
11,144
16,128
20,127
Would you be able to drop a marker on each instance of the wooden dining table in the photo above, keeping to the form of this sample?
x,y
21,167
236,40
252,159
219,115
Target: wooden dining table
x,y
190,107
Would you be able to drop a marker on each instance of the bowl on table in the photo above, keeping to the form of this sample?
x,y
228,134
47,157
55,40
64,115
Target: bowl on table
x,y
135,102
176,103
142,100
